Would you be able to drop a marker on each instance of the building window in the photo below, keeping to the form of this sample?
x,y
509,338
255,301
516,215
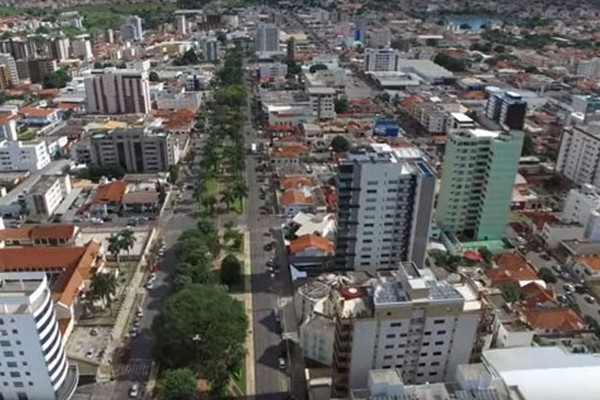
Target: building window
x,y
438,321
9,354
18,384
435,364
439,343
441,332
390,336
11,364
15,374
437,353
4,343
387,357
396,324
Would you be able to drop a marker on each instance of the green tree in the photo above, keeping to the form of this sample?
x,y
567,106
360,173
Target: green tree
x,y
340,144
208,203
500,49
174,173
95,172
431,42
153,77
317,67
115,246
528,147
177,384
450,63
341,105
532,70
238,188
102,287
128,239
58,79
231,271
202,328
227,197
485,253
509,292
546,274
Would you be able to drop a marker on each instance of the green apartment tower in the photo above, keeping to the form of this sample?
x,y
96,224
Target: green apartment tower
x,y
478,175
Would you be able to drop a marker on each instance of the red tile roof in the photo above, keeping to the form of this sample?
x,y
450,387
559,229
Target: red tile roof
x,y
110,193
541,218
290,197
37,112
48,231
561,319
293,182
512,268
534,294
311,241
290,151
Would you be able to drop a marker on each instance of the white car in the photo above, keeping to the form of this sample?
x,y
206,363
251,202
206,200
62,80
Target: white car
x,y
149,285
281,363
140,312
134,391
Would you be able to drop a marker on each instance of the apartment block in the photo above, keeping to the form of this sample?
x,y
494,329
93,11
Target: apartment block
x,y
381,60
579,154
385,201
478,175
34,361
82,48
131,29
406,321
117,91
137,150
322,102
266,39
44,197
59,48
18,156
40,69
7,61
506,108
210,48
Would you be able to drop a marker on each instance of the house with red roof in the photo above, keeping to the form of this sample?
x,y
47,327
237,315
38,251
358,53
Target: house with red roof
x,y
310,253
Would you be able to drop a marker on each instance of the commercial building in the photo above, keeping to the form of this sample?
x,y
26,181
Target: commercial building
x,y
34,362
131,29
137,150
59,48
177,101
381,59
9,63
18,156
322,102
385,201
506,108
427,70
275,71
478,175
39,70
117,91
408,321
579,154
266,39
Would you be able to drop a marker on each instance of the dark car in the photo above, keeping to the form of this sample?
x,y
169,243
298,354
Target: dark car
x,y
269,246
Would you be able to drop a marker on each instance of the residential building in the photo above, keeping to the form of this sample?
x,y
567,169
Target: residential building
x,y
360,30
137,150
407,321
579,154
18,156
266,39
589,69
291,50
478,174
322,102
580,204
82,49
108,198
16,48
5,82
34,362
131,29
177,101
381,59
196,83
39,116
140,202
40,235
310,251
44,197
210,49
385,201
117,91
9,63
59,48
275,71
506,108
181,24
458,122
40,69
585,104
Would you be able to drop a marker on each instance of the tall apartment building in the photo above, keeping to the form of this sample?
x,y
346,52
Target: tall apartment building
x,y
16,48
478,175
11,66
579,154
34,361
266,39
59,48
585,104
385,201
40,69
117,91
506,108
210,49
291,50
381,60
131,29
322,102
18,156
181,24
589,69
407,321
82,48
137,150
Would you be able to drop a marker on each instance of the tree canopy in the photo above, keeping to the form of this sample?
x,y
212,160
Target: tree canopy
x,y
340,144
317,67
341,105
231,270
189,57
153,76
58,79
176,384
203,328
450,63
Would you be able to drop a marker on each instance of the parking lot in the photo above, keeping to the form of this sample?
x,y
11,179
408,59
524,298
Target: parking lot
x,y
88,343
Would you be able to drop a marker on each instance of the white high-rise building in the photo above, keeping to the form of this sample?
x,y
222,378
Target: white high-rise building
x,y
19,156
210,49
59,48
82,48
34,362
406,320
385,202
181,24
9,61
579,154
589,69
117,91
381,60
266,38
131,29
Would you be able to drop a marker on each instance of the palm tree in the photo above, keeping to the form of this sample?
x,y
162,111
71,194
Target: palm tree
x,y
127,239
209,202
103,286
115,245
227,197
238,188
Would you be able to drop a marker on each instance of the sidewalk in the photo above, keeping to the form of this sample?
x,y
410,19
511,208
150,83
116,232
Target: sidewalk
x,y
250,379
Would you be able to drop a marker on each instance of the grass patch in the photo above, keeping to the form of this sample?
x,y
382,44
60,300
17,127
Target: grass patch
x,y
239,379
211,185
238,206
104,16
27,135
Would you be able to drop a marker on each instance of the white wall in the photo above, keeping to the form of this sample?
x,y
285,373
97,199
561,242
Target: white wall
x,y
363,343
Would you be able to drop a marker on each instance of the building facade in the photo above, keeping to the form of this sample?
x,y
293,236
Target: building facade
x,y
117,91
507,109
385,201
137,150
9,62
381,60
408,321
82,48
579,154
210,49
322,102
40,69
131,29
266,38
59,48
44,197
478,175
34,362
18,156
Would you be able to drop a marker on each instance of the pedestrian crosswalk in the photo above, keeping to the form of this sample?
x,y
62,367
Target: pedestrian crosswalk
x,y
135,370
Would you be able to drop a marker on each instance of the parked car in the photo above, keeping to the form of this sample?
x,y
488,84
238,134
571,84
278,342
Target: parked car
x,y
281,363
589,299
134,390
568,288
